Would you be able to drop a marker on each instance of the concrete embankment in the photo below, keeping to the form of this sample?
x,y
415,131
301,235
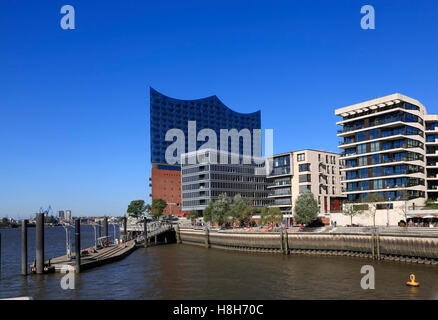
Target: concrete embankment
x,y
395,247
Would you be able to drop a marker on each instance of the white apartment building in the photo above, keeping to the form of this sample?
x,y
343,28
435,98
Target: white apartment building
x,y
390,147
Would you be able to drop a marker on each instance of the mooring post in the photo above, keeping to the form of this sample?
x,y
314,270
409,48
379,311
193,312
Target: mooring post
x,y
207,238
378,245
78,244
39,243
24,247
372,245
145,231
178,236
105,228
156,240
286,242
281,241
99,230
125,222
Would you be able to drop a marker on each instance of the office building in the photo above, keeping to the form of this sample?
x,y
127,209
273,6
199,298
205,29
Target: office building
x,y
208,178
316,171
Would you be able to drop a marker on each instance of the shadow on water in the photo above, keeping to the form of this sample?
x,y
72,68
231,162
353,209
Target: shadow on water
x,y
189,272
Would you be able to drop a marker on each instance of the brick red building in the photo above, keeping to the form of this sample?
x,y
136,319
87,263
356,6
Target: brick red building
x,y
166,185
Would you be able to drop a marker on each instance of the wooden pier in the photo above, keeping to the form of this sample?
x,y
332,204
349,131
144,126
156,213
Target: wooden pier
x,y
90,258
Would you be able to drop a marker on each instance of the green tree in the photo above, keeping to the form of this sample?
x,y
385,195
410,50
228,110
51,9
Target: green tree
x,y
136,208
372,199
271,215
148,209
221,209
208,211
306,208
351,211
237,208
158,206
5,220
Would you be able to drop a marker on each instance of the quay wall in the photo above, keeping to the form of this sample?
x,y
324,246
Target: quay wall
x,y
380,246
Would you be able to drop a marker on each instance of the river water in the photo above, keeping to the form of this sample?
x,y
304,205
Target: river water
x,y
189,272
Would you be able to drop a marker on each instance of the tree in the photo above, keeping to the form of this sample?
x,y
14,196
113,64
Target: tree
x,y
372,200
351,211
5,220
221,209
148,209
136,208
271,215
237,208
306,208
158,206
208,211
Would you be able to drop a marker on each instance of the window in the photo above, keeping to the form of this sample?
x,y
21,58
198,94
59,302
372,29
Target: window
x,y
374,134
378,184
305,188
362,148
304,178
375,159
304,167
377,171
375,146
361,136
365,185
351,175
363,161
364,173
300,157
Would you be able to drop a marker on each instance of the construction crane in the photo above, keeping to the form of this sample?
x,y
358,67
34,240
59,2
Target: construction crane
x,y
47,211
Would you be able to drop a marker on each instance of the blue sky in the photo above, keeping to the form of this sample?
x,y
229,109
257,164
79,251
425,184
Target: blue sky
x,y
75,103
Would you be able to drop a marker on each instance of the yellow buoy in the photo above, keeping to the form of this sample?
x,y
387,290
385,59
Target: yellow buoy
x,y
412,283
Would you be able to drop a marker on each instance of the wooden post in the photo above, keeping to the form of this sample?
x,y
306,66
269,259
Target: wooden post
x,y
286,239
372,245
105,228
207,238
145,227
156,240
178,235
24,247
125,223
39,234
378,246
281,241
78,244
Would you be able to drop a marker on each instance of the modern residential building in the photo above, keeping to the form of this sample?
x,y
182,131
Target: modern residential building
x,y
168,113
208,178
390,148
315,170
68,215
61,214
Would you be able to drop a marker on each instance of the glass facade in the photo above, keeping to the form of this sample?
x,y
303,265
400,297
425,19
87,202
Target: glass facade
x,y
379,157
167,113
